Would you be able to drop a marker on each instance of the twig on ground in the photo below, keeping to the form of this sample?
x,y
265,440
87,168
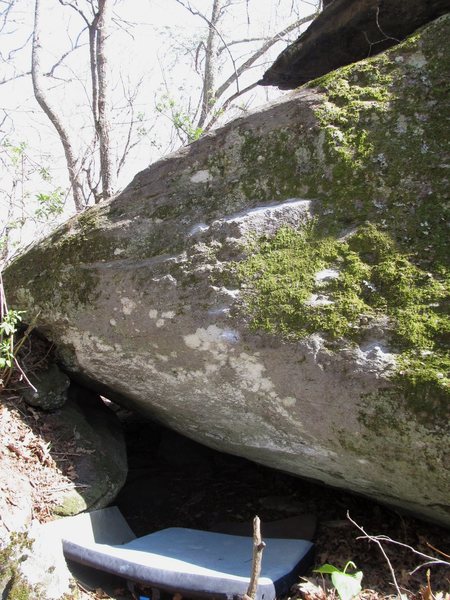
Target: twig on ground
x,y
437,550
378,539
258,548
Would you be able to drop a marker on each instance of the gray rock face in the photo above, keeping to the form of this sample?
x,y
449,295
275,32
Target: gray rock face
x,y
347,31
15,490
42,568
276,289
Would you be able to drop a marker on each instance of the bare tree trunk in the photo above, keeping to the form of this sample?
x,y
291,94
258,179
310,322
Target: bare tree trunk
x,y
103,124
93,66
211,55
41,97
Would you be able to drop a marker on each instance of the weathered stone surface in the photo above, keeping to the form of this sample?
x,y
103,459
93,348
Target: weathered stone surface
x,y
348,31
277,290
43,569
15,500
101,464
50,388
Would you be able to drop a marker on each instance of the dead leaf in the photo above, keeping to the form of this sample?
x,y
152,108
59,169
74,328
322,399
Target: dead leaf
x,y
426,592
18,451
71,472
311,591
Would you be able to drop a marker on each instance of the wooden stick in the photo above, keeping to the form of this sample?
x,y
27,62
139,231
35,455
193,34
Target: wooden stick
x,y
258,547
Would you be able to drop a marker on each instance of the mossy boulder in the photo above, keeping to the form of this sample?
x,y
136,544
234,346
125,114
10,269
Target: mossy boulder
x,y
279,289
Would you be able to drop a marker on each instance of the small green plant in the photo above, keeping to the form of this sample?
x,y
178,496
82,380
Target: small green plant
x,y
9,321
181,120
8,327
348,585
51,204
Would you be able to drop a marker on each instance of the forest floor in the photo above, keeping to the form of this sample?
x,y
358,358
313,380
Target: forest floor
x,y
175,482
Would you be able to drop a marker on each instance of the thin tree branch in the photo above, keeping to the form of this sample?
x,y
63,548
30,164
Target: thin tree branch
x,y
227,103
258,548
75,46
5,13
14,77
76,9
243,41
373,539
22,372
379,539
262,50
12,52
212,26
41,97
129,145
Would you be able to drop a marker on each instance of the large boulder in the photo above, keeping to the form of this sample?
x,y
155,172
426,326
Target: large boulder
x,y
277,289
347,31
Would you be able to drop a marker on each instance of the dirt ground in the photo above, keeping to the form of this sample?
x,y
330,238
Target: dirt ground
x,y
175,482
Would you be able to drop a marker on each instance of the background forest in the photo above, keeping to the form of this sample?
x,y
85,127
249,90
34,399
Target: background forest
x,y
92,91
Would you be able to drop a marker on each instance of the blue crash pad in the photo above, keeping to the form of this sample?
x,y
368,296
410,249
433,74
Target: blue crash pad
x,y
195,562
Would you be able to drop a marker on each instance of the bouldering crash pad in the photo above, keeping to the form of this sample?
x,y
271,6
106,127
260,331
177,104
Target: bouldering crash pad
x,y
189,561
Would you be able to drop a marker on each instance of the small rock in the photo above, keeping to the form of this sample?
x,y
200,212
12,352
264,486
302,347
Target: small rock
x,y
43,566
51,388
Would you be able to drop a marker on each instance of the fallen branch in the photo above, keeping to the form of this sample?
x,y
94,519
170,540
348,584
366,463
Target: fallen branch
x,y
258,547
378,539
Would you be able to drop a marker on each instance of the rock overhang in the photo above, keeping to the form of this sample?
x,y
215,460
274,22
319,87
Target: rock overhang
x,y
348,31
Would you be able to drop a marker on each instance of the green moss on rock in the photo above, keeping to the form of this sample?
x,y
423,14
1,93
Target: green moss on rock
x,y
383,121
270,168
300,282
375,163
54,269
12,583
72,504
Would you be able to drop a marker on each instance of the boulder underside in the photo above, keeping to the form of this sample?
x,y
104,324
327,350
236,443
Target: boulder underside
x,y
347,31
277,290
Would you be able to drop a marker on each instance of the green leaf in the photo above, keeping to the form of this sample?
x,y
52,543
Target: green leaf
x,y
348,585
327,569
